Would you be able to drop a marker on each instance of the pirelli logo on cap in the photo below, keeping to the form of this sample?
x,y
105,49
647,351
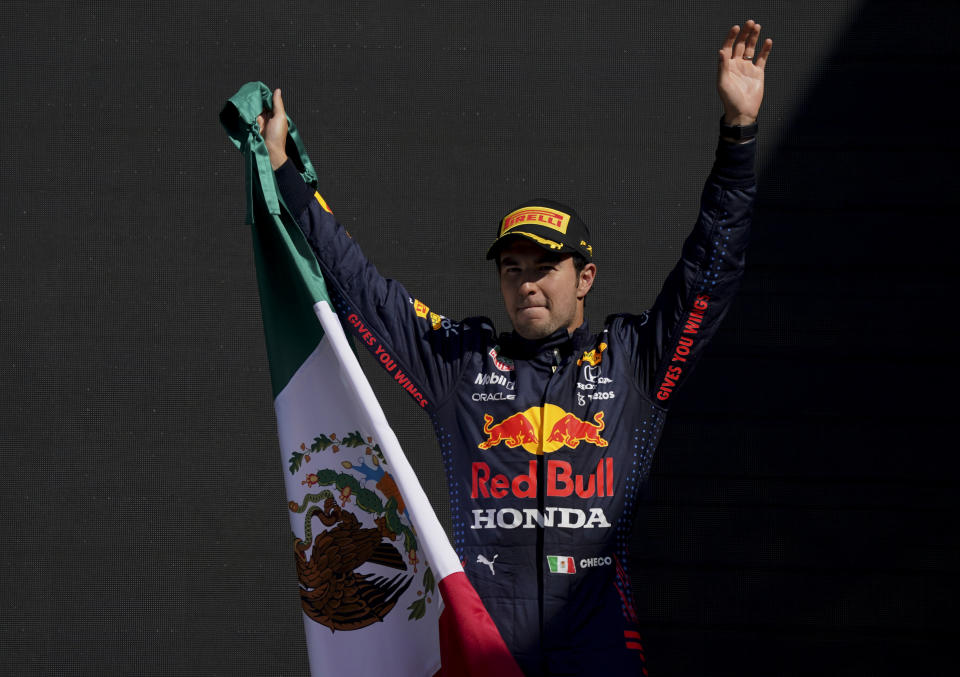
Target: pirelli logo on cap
x,y
535,216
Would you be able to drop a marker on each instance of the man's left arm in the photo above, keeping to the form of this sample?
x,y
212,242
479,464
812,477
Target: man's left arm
x,y
698,291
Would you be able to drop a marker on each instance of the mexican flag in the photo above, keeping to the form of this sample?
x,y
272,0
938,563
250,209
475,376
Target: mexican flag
x,y
561,564
373,563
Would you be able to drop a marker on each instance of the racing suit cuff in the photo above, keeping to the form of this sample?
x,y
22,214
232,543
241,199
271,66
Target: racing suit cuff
x,y
296,194
734,164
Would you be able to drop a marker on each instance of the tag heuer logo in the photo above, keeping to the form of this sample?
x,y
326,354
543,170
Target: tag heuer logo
x,y
561,564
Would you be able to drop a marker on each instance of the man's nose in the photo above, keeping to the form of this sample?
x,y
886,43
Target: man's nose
x,y
528,285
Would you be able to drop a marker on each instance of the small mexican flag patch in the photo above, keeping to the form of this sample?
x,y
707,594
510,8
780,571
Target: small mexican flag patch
x,y
561,564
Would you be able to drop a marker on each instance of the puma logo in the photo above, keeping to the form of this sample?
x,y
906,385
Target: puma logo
x,y
489,562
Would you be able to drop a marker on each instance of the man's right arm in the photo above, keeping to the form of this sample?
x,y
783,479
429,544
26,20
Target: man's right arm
x,y
422,350
274,128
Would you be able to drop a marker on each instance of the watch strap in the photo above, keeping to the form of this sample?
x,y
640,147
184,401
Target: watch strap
x,y
738,132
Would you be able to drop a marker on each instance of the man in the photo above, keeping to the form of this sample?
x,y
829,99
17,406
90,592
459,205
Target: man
x,y
547,431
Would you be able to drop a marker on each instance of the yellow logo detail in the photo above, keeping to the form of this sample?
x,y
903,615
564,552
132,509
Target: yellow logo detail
x,y
544,241
435,320
593,357
420,308
583,243
323,203
535,216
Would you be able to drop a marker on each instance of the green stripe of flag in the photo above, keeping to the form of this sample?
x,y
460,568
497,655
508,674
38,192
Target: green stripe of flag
x,y
290,283
288,275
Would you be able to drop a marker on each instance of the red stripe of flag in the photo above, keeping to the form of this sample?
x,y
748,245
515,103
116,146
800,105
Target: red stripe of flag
x,y
470,644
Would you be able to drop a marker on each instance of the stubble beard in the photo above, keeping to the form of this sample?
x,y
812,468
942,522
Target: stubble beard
x,y
534,331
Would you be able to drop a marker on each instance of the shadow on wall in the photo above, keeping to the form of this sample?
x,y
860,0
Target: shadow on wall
x,y
801,500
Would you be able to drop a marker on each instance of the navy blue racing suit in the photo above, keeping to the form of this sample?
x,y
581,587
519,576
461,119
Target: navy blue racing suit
x,y
545,443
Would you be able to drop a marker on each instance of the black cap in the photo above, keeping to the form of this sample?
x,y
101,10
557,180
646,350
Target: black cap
x,y
551,225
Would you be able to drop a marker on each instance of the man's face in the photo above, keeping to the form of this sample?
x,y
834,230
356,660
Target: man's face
x,y
541,290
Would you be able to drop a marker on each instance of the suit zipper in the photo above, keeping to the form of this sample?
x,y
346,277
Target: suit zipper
x,y
541,506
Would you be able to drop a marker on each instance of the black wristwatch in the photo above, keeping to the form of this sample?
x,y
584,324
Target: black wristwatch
x,y
738,132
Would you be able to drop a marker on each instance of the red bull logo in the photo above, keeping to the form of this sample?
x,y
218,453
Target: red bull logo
x,y
541,430
514,431
561,481
571,431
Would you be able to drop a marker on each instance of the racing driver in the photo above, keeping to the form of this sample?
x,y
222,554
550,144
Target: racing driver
x,y
547,431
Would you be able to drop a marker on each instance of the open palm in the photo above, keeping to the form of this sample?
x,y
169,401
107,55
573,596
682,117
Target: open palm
x,y
739,76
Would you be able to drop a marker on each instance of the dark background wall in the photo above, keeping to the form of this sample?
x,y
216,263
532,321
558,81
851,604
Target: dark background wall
x,y
802,512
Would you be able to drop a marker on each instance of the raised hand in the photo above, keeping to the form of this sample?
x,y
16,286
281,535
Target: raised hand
x,y
739,76
273,128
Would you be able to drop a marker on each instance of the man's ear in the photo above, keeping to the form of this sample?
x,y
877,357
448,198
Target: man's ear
x,y
585,282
